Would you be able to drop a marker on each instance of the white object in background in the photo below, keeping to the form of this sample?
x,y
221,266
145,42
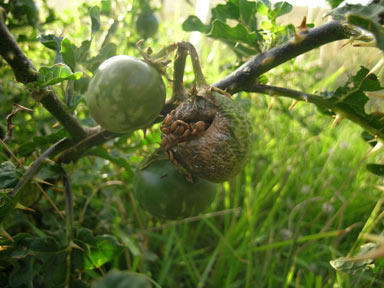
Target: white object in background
x,y
201,11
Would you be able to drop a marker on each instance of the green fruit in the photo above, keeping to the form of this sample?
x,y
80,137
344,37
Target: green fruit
x,y
165,193
125,94
147,25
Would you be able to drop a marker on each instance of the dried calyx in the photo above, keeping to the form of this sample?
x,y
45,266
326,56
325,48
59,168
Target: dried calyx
x,y
208,134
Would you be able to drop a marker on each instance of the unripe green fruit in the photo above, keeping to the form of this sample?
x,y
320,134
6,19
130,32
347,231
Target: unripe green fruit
x,y
147,25
125,94
165,193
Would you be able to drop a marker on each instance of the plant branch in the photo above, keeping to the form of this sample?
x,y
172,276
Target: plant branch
x,y
96,136
26,73
300,44
339,108
39,162
178,91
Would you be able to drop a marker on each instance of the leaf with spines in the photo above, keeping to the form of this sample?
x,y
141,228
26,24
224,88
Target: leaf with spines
x,y
349,100
353,265
367,17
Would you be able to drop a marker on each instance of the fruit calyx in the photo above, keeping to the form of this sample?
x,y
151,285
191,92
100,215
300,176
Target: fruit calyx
x,y
208,134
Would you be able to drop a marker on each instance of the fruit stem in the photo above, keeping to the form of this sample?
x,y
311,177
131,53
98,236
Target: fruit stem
x,y
199,76
178,93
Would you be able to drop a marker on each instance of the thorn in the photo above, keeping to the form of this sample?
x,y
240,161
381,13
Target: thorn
x,y
3,247
365,44
273,101
22,207
145,132
376,67
5,234
346,43
298,38
267,60
379,187
337,120
23,108
74,245
293,104
303,26
38,180
376,148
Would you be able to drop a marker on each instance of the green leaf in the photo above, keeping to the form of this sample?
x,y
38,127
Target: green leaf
x,y
50,41
44,245
83,51
106,7
7,205
377,169
267,3
23,273
262,8
98,250
350,265
42,142
8,175
122,279
94,12
68,53
365,17
107,51
56,74
102,153
247,14
11,245
334,3
230,10
349,101
26,9
220,30
280,8
81,85
193,23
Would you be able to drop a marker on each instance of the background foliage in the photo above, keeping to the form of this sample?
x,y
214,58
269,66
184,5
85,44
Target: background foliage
x,y
304,199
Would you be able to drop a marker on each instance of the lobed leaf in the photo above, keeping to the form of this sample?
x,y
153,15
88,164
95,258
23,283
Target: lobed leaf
x,y
98,250
68,52
368,17
56,74
94,12
280,9
50,41
351,265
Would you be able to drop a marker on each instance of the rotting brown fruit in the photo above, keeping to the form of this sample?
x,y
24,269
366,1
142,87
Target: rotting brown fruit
x,y
208,134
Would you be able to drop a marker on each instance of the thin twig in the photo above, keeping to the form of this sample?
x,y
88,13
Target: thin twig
x,y
261,63
10,126
37,164
19,164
